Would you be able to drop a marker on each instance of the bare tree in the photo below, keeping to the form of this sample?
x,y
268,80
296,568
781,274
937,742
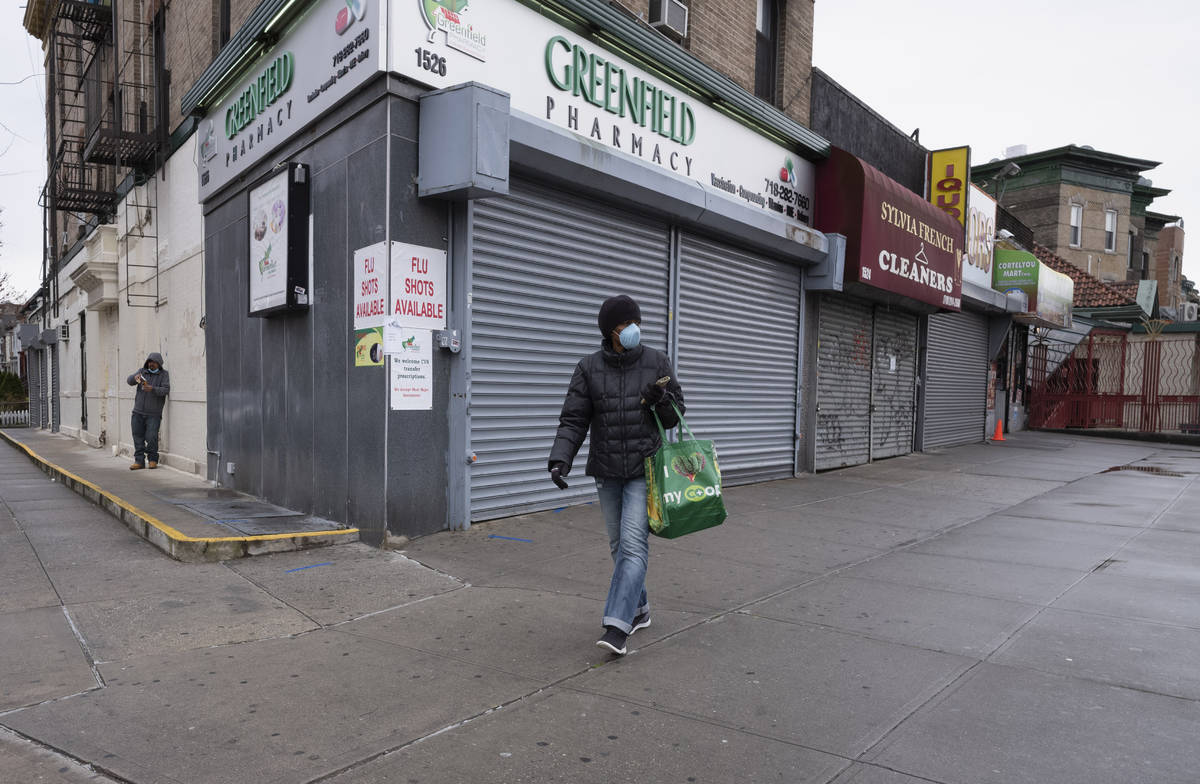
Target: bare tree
x,y
8,292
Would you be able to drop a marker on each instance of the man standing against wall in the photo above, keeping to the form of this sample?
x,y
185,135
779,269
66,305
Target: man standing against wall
x,y
154,384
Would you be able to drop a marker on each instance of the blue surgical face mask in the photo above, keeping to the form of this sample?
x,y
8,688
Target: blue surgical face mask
x,y
631,336
152,370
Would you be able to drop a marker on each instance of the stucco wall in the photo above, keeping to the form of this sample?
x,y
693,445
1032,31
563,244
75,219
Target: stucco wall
x,y
168,287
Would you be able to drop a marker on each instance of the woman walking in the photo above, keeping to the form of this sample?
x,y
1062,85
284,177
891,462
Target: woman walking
x,y
612,393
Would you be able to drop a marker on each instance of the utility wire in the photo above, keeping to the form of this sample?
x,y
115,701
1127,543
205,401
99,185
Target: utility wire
x,y
20,81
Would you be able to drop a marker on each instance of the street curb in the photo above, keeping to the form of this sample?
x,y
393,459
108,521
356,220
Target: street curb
x,y
181,547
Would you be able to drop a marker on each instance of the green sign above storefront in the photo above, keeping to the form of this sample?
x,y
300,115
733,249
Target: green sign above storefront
x,y
1045,295
604,83
273,82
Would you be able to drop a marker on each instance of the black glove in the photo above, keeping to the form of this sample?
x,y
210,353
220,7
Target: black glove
x,y
556,470
653,394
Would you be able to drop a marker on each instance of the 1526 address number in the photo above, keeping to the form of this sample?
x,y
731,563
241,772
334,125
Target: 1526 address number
x,y
430,62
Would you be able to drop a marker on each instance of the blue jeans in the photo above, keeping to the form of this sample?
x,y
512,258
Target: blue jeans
x,y
145,438
623,502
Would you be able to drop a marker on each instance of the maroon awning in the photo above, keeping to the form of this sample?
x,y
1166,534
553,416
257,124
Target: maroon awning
x,y
895,240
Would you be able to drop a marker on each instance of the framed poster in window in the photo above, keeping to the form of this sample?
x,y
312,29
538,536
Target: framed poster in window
x,y
278,267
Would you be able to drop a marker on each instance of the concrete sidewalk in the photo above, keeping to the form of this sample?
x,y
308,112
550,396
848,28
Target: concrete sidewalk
x,y
1010,613
181,514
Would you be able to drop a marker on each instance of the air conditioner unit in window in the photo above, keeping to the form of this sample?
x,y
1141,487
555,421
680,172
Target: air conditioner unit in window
x,y
64,332
670,17
1191,311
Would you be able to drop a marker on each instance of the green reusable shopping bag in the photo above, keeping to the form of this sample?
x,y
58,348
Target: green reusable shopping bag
x,y
683,485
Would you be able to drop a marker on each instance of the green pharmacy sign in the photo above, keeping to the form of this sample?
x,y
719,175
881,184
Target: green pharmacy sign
x,y
273,82
605,84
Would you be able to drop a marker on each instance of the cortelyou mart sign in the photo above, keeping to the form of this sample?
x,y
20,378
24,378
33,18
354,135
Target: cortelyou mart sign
x,y
1045,294
331,50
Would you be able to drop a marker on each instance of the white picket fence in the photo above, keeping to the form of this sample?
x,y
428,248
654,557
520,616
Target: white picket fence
x,y
14,414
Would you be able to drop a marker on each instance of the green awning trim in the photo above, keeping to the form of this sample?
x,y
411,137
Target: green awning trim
x,y
595,20
246,40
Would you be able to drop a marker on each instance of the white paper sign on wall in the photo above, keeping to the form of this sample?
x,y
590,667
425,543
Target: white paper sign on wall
x,y
412,372
418,286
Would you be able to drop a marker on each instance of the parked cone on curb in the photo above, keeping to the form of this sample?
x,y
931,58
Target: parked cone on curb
x,y
999,435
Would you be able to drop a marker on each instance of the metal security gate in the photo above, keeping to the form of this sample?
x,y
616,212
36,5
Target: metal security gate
x,y
34,371
55,391
44,363
866,382
956,378
738,317
542,262
843,383
893,384
1147,382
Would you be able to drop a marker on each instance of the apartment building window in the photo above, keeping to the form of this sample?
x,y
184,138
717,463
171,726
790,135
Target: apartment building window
x,y
223,22
766,52
162,82
1110,231
1076,225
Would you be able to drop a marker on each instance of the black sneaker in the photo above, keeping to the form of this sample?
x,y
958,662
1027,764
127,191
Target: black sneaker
x,y
641,622
614,640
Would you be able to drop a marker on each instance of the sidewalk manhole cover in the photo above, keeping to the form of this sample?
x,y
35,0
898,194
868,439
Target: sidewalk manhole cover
x,y
1144,469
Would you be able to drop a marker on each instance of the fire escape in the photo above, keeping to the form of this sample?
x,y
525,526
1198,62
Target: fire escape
x,y
103,133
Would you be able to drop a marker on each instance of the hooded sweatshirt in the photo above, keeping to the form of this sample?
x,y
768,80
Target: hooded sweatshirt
x,y
151,403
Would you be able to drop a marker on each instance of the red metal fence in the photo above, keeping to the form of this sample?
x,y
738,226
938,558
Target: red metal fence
x,y
1117,381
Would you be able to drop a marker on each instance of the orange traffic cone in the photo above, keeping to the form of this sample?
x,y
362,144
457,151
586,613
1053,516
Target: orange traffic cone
x,y
999,436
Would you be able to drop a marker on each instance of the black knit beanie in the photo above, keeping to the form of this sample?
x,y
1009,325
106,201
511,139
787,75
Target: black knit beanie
x,y
617,310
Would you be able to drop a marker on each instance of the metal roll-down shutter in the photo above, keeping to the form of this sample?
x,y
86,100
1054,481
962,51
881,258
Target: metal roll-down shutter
x,y
843,383
894,383
542,262
956,374
738,336
34,374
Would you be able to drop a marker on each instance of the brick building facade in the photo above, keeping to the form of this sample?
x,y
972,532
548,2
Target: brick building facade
x,y
721,34
1168,265
1086,206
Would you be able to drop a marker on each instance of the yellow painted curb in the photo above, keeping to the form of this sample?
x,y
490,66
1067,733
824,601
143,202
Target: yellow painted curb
x,y
149,519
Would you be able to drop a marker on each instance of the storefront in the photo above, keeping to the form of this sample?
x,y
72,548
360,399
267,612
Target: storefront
x,y
902,262
463,225
958,400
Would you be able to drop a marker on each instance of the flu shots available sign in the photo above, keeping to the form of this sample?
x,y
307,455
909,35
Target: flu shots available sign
x,y
370,285
418,281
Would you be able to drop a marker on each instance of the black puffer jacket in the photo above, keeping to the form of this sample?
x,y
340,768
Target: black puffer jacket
x,y
605,395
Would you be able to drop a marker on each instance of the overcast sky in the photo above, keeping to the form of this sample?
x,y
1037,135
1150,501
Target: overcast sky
x,y
22,149
1122,77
